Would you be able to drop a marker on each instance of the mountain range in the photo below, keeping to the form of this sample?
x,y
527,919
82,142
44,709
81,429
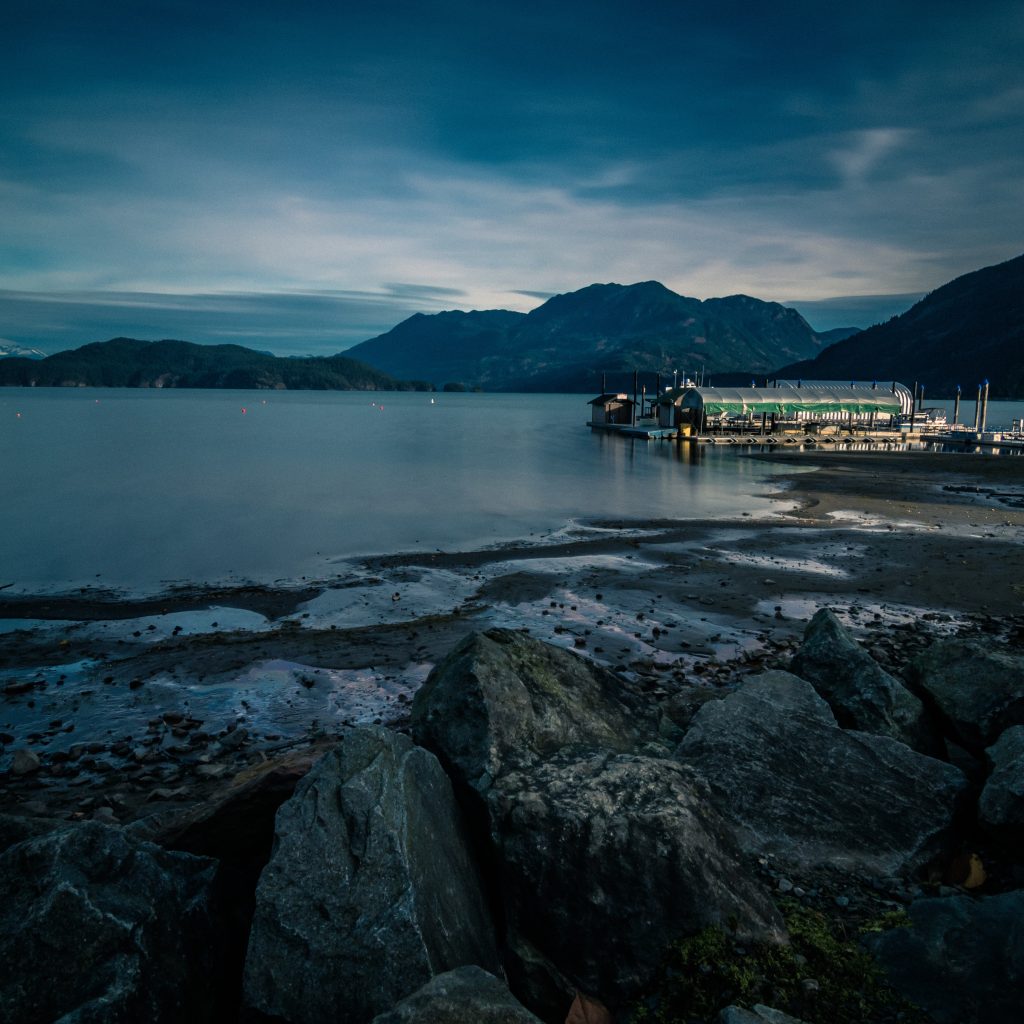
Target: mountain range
x,y
126,362
967,331
569,341
963,333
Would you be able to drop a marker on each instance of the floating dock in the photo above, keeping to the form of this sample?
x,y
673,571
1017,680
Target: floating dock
x,y
841,438
1010,440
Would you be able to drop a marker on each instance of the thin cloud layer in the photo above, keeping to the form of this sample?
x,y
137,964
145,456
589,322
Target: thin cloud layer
x,y
486,157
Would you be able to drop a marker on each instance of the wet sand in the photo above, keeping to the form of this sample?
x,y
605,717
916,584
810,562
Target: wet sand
x,y
135,706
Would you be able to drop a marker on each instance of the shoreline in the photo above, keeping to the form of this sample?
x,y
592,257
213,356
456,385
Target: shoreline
x,y
181,695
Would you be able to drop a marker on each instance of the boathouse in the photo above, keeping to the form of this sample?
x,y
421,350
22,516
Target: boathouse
x,y
611,408
799,403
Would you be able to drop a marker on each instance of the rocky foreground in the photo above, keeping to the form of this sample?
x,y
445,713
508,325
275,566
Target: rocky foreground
x,y
547,839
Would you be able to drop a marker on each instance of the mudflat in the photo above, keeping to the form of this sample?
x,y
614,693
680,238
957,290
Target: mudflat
x,y
137,705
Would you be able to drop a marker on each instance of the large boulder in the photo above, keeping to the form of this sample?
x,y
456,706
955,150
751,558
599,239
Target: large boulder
x,y
979,692
1001,807
467,995
800,789
861,694
370,889
605,859
96,925
502,699
961,959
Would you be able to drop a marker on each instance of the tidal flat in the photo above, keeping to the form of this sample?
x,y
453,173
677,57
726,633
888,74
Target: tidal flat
x,y
126,706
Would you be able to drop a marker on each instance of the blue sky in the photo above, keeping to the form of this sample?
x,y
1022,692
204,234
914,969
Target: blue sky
x,y
299,177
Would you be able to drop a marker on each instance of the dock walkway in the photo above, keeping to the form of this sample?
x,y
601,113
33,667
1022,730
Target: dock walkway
x,y
840,438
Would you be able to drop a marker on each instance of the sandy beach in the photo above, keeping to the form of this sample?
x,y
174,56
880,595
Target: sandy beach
x,y
134,706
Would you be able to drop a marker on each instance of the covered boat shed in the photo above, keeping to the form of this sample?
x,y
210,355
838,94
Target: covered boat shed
x,y
611,408
805,402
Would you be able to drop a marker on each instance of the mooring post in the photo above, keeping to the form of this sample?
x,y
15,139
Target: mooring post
x,y
643,399
635,380
984,405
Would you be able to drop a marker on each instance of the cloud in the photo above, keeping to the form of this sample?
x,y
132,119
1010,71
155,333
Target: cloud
x,y
451,157
286,323
865,150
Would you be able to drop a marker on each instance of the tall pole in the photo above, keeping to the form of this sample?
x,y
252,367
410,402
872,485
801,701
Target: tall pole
x,y
920,399
604,383
984,406
956,406
977,409
635,375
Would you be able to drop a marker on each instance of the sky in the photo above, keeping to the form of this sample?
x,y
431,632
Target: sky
x,y
298,177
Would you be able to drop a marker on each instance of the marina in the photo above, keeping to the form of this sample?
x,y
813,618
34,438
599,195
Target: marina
x,y
858,415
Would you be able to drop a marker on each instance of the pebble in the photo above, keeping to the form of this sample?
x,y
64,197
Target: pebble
x,y
25,762
234,739
785,885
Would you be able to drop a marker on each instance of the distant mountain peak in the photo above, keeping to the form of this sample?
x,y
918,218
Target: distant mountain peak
x,y
965,331
569,339
11,349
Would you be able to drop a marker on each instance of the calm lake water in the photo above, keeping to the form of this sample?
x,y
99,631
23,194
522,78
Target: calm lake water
x,y
137,488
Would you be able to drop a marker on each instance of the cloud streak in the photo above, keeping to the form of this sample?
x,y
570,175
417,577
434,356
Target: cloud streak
x,y
483,158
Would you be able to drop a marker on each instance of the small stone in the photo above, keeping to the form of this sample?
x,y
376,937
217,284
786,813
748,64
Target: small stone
x,y
842,901
810,986
105,814
25,762
234,739
785,885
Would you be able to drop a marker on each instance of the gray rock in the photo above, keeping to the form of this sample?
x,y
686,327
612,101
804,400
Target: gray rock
x,y
798,788
370,890
979,692
1001,807
677,711
501,699
606,859
25,762
961,959
468,995
97,926
16,828
756,1015
861,694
